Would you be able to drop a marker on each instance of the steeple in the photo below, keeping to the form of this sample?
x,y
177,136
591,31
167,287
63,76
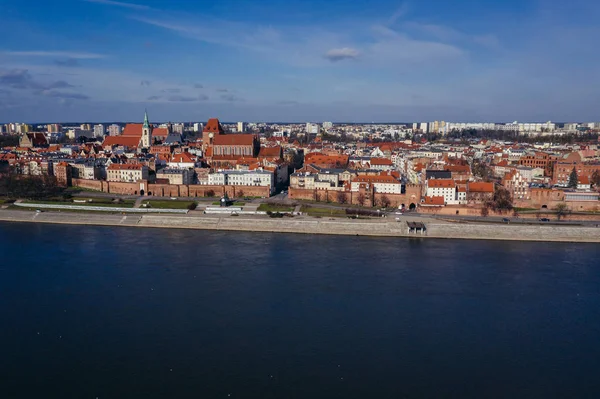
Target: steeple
x,y
146,123
146,141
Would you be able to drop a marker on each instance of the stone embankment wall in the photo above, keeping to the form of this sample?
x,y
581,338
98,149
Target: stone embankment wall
x,y
435,228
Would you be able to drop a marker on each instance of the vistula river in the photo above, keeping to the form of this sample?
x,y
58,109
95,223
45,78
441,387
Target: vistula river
x,y
97,312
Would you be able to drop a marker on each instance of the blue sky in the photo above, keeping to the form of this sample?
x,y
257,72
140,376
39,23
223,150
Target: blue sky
x,y
283,60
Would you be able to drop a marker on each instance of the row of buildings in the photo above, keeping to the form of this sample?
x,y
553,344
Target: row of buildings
x,y
436,174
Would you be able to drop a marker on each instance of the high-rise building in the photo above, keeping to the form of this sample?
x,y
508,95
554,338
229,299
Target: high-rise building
x,y
327,125
177,128
312,128
54,128
424,127
86,126
198,127
99,130
21,128
241,127
114,130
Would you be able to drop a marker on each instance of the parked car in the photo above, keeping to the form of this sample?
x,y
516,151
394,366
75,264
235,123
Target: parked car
x,y
506,220
544,220
38,211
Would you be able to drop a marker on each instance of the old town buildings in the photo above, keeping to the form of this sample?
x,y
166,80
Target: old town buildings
x,y
359,168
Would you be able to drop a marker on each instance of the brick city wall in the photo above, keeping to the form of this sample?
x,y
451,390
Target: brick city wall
x,y
412,196
89,184
171,190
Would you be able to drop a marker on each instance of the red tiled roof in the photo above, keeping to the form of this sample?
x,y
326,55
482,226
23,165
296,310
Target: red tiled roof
x,y
132,129
160,132
214,126
434,201
124,166
381,161
270,152
234,139
320,159
375,179
37,139
441,183
135,129
481,187
124,141
183,157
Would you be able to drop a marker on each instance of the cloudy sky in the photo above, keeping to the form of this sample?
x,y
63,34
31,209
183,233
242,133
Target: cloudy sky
x,y
309,60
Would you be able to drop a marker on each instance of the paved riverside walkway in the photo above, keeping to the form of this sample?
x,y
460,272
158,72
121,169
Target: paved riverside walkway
x,y
138,202
378,227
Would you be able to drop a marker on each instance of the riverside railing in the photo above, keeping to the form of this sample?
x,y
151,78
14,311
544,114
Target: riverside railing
x,y
100,208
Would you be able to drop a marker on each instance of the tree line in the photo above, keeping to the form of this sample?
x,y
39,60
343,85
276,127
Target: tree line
x,y
17,186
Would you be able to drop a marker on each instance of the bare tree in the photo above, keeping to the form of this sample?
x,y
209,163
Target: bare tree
x,y
385,201
341,197
209,193
485,211
361,199
561,210
240,193
596,179
318,196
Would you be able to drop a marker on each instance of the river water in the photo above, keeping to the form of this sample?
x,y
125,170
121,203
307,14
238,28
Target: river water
x,y
100,312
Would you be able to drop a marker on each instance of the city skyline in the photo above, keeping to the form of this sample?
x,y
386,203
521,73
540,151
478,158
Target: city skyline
x,y
85,60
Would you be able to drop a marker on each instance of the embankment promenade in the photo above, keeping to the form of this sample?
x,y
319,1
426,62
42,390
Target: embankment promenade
x,y
309,225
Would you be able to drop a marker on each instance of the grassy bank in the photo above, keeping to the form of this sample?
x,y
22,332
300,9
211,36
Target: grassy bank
x,y
274,208
83,211
169,204
104,202
320,211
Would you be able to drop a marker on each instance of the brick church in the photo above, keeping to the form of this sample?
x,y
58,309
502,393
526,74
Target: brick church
x,y
226,150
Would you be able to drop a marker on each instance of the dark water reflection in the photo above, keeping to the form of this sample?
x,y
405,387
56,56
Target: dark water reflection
x,y
90,312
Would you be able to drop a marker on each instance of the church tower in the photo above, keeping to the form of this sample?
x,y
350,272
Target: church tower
x,y
146,132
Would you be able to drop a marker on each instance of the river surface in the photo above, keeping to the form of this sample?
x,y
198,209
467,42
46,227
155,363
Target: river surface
x,y
104,312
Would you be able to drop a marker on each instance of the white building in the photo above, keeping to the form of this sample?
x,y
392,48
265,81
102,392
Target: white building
x,y
114,130
327,125
129,173
443,188
176,176
241,127
243,178
84,170
381,183
178,128
99,130
312,128
182,160
198,127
